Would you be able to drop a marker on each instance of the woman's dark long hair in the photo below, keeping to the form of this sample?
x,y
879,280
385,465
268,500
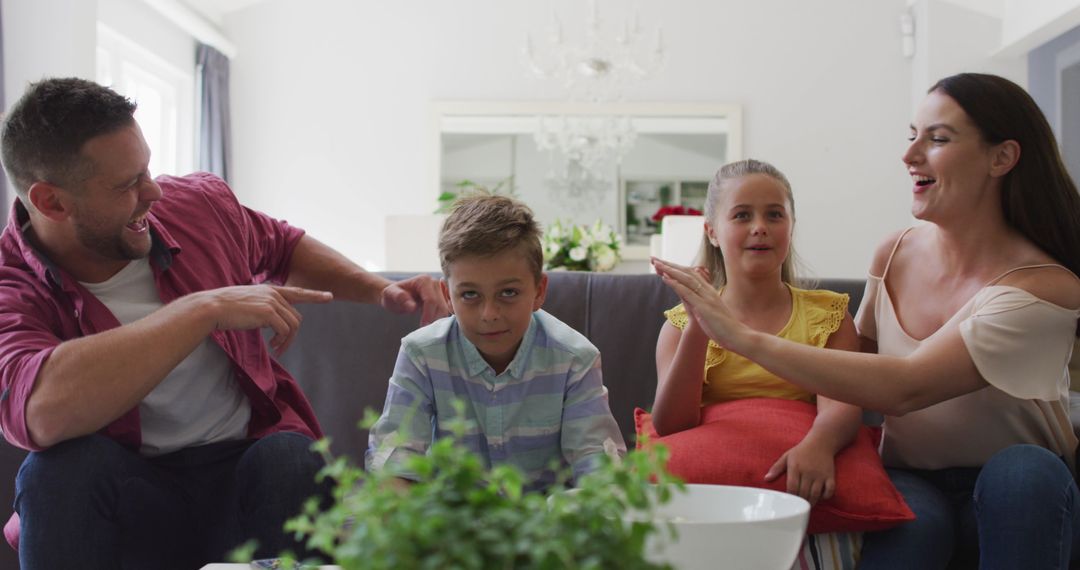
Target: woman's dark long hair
x,y
1039,198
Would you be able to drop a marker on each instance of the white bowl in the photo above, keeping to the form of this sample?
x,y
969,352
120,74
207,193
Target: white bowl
x,y
731,527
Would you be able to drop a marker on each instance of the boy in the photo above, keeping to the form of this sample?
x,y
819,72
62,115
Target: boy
x,y
531,384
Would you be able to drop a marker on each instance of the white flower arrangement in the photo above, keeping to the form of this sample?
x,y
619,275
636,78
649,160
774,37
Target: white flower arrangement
x,y
594,247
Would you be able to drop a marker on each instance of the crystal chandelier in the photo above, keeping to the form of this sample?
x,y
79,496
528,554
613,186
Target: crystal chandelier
x,y
595,69
586,149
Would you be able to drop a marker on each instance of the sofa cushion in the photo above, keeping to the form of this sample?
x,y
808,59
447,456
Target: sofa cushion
x,y
625,313
738,441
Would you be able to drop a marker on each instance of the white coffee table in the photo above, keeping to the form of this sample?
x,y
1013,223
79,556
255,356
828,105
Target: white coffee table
x,y
222,566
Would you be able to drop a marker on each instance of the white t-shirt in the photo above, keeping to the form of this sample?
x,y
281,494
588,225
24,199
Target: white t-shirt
x,y
199,402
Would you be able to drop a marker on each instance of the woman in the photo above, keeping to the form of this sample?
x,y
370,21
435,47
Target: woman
x,y
972,317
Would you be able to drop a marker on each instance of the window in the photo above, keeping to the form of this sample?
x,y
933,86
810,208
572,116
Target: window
x,y
163,92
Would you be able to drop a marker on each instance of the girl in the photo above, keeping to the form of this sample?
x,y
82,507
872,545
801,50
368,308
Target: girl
x,y
972,316
747,251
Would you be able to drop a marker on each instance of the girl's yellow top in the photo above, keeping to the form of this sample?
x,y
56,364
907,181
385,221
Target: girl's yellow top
x,y
815,315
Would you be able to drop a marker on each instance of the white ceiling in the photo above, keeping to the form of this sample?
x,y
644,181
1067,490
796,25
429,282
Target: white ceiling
x,y
215,10
995,8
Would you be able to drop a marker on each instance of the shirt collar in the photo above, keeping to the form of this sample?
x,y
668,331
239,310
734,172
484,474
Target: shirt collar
x,y
476,365
162,249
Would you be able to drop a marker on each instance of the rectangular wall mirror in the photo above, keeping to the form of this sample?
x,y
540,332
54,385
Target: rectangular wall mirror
x,y
628,161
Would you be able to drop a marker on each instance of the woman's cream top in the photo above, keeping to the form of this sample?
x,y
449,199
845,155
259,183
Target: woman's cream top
x,y
1020,344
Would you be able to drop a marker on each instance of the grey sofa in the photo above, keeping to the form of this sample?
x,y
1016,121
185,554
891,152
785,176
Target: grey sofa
x,y
345,353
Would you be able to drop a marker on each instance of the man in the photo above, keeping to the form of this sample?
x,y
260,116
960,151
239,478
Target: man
x,y
131,359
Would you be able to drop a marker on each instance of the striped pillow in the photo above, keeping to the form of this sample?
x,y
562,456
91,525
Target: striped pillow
x,y
829,551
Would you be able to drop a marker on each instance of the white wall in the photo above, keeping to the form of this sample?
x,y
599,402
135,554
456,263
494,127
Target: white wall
x,y
332,97
1027,25
332,101
47,38
941,51
58,38
140,23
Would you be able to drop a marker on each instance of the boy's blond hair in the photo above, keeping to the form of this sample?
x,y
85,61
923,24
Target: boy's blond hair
x,y
485,225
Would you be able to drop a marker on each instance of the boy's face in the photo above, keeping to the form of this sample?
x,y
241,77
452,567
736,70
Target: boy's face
x,y
494,298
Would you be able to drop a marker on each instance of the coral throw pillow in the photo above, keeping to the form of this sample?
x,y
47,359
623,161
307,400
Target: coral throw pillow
x,y
738,441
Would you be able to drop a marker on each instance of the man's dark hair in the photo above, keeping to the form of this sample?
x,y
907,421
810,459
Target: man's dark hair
x,y
48,126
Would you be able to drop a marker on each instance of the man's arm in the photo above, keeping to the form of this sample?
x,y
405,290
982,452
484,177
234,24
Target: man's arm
x,y
86,383
315,265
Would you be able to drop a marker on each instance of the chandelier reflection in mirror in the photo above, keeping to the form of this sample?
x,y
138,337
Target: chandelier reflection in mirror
x,y
585,150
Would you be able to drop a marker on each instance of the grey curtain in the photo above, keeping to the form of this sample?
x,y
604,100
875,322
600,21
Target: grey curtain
x,y
215,129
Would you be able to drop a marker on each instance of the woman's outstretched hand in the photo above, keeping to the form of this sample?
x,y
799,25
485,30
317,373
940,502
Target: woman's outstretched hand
x,y
702,302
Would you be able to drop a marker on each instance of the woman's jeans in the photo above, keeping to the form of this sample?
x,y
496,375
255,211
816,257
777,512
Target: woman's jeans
x,y
1020,510
91,503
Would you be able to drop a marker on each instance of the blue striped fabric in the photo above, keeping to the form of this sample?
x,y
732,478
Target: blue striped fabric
x,y
548,407
830,551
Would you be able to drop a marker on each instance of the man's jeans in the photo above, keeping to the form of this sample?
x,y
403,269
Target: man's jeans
x,y
1020,510
91,503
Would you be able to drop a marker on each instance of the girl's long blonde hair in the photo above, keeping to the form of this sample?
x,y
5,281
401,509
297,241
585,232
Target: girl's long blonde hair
x,y
710,256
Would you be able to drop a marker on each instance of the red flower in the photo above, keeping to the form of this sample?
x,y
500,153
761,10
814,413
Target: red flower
x,y
674,211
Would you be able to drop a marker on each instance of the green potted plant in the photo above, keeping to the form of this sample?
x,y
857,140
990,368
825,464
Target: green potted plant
x,y
461,515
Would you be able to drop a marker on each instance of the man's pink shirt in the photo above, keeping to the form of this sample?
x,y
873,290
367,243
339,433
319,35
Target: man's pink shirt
x,y
202,239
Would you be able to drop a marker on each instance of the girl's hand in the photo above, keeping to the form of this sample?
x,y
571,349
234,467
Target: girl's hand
x,y
811,471
702,303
